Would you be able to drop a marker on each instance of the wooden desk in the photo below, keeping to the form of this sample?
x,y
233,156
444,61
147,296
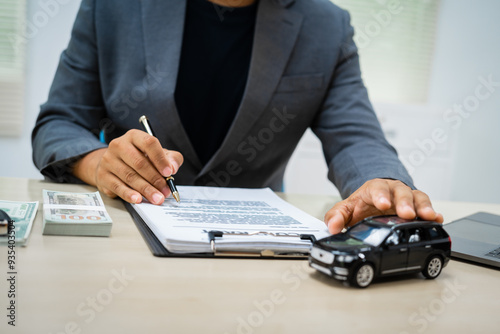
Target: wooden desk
x,y
115,285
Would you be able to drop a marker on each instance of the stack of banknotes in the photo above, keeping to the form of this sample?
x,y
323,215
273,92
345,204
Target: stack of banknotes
x,y
23,214
67,213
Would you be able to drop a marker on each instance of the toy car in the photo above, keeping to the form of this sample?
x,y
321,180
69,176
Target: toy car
x,y
382,246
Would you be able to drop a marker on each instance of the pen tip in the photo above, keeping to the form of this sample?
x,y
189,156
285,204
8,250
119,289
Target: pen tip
x,y
175,194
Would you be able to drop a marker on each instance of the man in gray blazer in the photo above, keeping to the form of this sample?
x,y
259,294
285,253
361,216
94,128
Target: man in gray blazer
x,y
127,58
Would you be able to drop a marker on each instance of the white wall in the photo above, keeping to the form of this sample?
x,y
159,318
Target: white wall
x,y
466,165
467,47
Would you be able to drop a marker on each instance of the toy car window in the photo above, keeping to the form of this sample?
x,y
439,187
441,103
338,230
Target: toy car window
x,y
393,238
402,236
415,235
370,234
434,233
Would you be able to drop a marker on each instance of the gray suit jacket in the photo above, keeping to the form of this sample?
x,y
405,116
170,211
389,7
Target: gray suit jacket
x,y
122,62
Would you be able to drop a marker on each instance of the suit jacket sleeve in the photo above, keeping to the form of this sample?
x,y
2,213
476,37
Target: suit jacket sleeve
x,y
69,123
353,143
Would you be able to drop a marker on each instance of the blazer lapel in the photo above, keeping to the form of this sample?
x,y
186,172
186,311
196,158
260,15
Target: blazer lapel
x,y
163,26
276,31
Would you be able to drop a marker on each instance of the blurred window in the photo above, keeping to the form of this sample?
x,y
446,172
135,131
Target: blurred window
x,y
13,38
396,40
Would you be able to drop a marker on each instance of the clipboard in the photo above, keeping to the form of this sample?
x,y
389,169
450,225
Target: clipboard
x,y
157,248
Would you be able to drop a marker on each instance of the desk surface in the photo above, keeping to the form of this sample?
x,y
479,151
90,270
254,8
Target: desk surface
x,y
115,285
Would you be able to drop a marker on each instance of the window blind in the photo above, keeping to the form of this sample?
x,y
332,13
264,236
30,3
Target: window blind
x,y
12,48
395,39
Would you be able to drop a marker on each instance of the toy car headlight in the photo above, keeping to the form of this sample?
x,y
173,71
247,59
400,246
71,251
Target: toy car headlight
x,y
346,258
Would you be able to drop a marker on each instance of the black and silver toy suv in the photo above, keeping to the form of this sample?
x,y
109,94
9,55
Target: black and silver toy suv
x,y
381,246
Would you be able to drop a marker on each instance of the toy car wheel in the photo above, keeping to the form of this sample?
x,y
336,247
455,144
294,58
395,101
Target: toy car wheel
x,y
363,276
433,267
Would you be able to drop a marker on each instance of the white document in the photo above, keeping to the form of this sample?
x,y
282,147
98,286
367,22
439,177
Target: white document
x,y
183,227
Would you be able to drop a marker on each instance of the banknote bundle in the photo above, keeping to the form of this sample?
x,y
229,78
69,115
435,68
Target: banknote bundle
x,y
22,214
66,213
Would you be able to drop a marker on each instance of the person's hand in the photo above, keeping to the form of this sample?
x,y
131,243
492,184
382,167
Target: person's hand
x,y
380,197
132,166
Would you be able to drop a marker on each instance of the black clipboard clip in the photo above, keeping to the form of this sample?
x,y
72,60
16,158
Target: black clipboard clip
x,y
212,235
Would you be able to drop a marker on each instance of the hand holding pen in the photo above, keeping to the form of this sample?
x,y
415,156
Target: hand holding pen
x,y
133,166
170,180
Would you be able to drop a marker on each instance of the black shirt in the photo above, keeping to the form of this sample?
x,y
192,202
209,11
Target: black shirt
x,y
213,71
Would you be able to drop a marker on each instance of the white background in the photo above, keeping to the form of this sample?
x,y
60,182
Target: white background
x,y
465,167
